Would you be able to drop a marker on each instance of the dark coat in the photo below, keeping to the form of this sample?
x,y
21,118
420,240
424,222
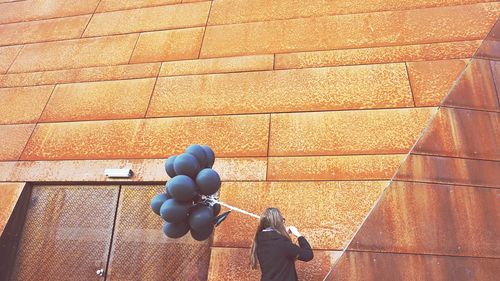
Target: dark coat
x,y
277,256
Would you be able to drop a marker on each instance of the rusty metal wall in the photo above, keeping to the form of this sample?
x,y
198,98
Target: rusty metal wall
x,y
141,251
67,233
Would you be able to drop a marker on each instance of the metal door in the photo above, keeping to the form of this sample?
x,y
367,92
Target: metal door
x,y
67,233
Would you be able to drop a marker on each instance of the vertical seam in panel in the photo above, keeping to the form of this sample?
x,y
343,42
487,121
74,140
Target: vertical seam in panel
x,y
133,49
274,61
205,29
268,146
14,60
86,26
37,121
409,83
152,92
112,233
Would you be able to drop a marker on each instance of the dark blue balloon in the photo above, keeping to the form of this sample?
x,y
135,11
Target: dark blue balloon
x,y
174,211
216,208
210,156
175,230
169,166
157,201
204,234
186,164
201,218
208,181
199,152
182,188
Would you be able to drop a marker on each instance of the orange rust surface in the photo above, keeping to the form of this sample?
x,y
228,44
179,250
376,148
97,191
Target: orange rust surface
x,y
334,209
7,56
318,89
13,140
443,219
116,5
387,266
99,100
431,80
233,264
23,105
9,193
244,135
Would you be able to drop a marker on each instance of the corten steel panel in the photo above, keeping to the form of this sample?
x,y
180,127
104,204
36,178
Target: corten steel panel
x,y
88,52
345,167
67,233
43,31
217,65
421,52
148,19
115,5
24,104
7,56
233,264
90,74
334,209
229,169
491,45
368,266
431,80
475,89
238,11
44,9
242,135
433,219
495,68
386,131
168,45
99,100
9,193
459,23
435,169
13,140
318,89
462,133
141,251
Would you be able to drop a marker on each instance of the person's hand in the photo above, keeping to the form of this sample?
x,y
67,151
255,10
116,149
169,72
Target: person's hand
x,y
293,230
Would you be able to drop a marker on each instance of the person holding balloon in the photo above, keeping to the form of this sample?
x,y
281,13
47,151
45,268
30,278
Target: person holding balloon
x,y
273,250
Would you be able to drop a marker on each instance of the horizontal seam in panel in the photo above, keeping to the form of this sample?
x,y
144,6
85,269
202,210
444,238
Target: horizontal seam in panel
x,y
420,254
456,157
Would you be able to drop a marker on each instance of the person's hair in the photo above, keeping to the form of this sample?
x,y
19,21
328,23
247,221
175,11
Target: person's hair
x,y
271,217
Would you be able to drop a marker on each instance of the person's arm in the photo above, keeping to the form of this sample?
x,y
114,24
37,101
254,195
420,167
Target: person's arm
x,y
302,252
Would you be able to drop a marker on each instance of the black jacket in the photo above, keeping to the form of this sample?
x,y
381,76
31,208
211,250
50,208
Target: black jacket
x,y
277,256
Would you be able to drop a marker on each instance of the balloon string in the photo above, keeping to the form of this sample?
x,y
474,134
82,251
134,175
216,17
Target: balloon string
x,y
238,210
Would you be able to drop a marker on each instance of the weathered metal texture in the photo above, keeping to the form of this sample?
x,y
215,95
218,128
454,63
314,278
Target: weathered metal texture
x,y
230,169
475,89
11,231
490,48
434,219
67,233
369,266
422,168
141,251
462,133
233,264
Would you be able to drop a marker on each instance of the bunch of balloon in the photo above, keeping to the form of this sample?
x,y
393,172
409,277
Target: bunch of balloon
x,y
189,204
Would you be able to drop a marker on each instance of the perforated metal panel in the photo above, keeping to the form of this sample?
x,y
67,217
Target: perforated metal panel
x,y
67,233
141,251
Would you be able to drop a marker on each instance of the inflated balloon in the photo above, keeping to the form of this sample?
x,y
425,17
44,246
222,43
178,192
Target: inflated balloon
x,y
208,181
182,188
157,201
203,234
199,152
175,230
169,166
186,164
210,156
201,218
216,208
174,211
